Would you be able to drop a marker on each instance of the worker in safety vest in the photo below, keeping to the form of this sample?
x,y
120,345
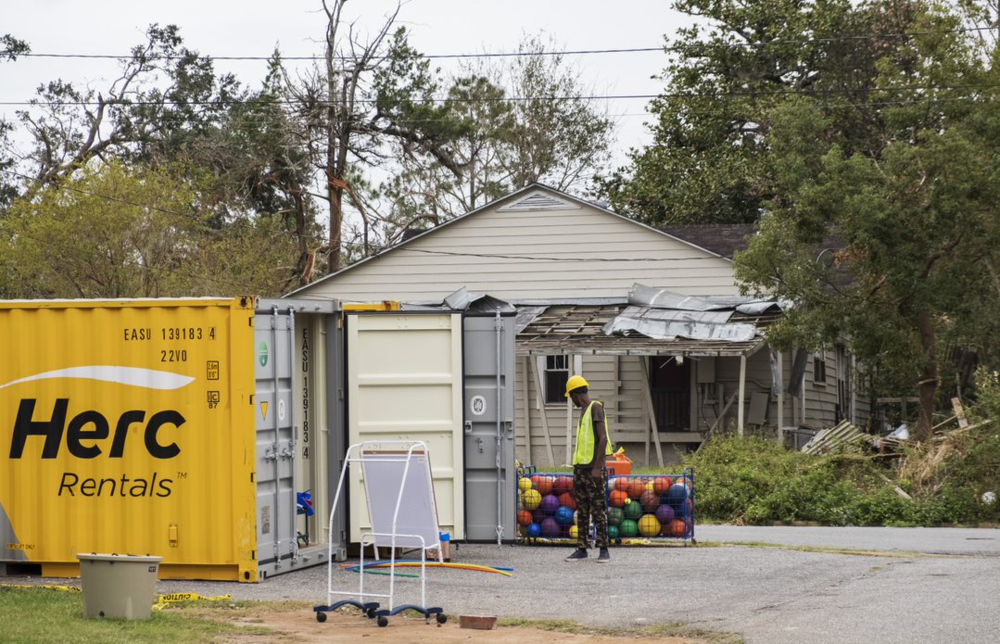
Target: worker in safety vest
x,y
590,479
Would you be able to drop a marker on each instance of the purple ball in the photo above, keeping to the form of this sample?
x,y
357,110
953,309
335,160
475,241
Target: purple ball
x,y
550,528
665,514
550,503
538,516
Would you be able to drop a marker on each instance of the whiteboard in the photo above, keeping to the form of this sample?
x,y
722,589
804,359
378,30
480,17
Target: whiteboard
x,y
383,476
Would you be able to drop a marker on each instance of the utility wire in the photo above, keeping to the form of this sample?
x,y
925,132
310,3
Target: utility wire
x,y
522,99
566,52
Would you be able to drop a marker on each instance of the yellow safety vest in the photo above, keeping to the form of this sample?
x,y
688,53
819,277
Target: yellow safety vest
x,y
585,442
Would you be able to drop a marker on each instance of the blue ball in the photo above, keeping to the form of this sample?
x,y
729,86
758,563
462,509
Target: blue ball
x,y
684,509
564,516
534,530
676,494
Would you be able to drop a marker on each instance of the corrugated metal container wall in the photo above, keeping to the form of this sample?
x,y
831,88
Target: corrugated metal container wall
x,y
129,426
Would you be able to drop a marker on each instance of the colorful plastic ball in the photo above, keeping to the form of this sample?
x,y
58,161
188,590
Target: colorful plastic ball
x,y
628,529
649,501
618,498
564,516
612,532
612,482
550,503
524,517
676,494
544,485
524,484
562,485
649,526
566,499
636,488
617,515
664,514
534,530
574,532
677,528
684,509
551,529
662,484
633,511
531,499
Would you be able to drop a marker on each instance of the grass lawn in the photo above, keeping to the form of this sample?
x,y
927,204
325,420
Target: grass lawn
x,y
41,615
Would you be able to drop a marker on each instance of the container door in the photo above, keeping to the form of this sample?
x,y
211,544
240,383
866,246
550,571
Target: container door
x,y
404,380
274,338
489,429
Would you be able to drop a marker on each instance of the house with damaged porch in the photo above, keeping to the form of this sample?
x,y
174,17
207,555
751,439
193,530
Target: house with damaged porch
x,y
652,318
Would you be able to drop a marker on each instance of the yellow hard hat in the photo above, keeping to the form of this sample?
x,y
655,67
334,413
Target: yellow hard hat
x,y
575,382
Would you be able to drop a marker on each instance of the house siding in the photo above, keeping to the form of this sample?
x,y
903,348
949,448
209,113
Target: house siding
x,y
573,252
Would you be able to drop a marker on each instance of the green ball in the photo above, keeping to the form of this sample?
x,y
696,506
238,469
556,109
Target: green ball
x,y
629,528
633,510
612,532
615,516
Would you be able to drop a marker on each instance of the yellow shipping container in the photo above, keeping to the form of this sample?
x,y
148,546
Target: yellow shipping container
x,y
131,427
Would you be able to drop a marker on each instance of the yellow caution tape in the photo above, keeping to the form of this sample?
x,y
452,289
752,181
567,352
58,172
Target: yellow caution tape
x,y
162,601
66,589
175,598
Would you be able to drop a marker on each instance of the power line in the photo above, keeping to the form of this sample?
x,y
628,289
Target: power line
x,y
523,99
529,54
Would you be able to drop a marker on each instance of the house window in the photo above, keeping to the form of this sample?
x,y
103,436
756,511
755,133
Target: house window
x,y
819,368
556,375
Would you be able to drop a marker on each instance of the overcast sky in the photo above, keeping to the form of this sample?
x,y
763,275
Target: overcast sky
x,y
254,27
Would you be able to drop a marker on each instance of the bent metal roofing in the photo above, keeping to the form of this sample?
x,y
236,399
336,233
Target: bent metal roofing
x,y
579,329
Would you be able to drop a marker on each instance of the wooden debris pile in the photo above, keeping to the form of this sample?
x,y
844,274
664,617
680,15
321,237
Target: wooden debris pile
x,y
843,437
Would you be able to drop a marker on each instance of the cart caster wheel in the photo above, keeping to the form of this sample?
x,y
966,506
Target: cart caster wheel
x,y
370,613
383,621
320,617
441,618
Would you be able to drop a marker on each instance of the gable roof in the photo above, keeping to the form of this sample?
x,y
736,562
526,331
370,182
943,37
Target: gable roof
x,y
535,197
722,239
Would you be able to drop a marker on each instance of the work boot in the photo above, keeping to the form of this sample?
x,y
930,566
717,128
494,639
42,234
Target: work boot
x,y
604,557
580,554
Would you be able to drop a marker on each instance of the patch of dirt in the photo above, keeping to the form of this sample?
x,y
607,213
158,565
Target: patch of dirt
x,y
301,626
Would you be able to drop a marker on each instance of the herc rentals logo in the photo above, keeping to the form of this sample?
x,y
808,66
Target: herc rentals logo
x,y
87,433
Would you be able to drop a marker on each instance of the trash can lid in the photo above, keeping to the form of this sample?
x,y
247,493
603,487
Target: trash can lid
x,y
113,557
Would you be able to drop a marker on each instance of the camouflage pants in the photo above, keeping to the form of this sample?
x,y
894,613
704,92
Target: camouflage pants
x,y
591,503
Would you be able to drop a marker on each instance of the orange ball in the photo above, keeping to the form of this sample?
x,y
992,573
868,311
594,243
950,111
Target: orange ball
x,y
636,488
544,485
662,484
618,498
567,499
677,528
524,517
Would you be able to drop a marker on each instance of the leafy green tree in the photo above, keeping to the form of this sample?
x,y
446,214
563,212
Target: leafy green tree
x,y
10,49
111,231
513,124
742,59
914,213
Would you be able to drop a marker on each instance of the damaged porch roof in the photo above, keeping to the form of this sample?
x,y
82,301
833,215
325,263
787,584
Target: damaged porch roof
x,y
653,322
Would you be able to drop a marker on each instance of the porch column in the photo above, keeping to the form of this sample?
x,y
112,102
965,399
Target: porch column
x,y
525,409
743,389
781,399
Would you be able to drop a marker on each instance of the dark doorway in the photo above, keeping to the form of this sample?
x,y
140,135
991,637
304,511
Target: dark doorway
x,y
670,384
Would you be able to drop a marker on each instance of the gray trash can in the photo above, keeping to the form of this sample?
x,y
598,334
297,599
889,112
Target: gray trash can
x,y
118,586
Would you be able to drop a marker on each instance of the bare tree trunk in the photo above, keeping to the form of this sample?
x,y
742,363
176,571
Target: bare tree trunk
x,y
928,385
333,142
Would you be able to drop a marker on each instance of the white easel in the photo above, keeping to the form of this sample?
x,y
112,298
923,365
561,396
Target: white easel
x,y
399,489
